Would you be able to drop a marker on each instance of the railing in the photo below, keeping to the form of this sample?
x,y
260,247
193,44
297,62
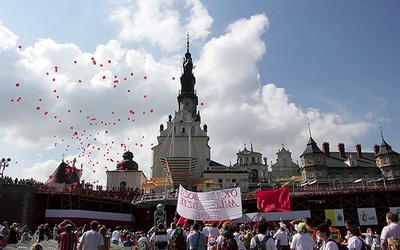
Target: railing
x,y
135,196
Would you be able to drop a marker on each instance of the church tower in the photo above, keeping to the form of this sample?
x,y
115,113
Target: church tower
x,y
182,152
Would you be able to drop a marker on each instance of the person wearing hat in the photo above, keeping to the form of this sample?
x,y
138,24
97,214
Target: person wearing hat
x,y
302,240
281,237
309,228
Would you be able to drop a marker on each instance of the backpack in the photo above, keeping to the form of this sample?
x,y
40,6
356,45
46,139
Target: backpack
x,y
260,245
178,239
364,246
229,243
340,246
160,244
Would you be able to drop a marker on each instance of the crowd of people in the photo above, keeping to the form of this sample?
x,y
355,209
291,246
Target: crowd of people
x,y
297,235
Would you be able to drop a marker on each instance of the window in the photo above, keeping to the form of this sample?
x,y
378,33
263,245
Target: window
x,y
310,174
319,174
309,161
386,160
254,175
233,180
183,130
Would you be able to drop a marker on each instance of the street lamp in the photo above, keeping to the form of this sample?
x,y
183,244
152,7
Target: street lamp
x,y
4,163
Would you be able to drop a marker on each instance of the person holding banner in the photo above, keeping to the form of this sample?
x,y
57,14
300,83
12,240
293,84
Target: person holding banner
x,y
196,240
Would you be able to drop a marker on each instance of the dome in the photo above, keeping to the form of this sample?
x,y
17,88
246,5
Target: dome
x,y
128,163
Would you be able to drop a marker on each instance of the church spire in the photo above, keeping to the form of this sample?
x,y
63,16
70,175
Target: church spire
x,y
187,98
187,43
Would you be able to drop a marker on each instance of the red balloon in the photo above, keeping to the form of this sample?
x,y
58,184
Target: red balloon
x,y
104,77
145,96
132,74
75,61
173,78
17,85
37,108
202,104
145,77
151,110
109,61
19,47
45,113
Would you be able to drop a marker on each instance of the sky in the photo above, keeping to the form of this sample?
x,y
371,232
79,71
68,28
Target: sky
x,y
91,79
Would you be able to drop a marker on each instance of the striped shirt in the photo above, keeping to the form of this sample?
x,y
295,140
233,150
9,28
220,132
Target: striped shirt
x,y
67,241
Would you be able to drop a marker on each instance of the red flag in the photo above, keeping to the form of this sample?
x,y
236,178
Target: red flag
x,y
182,221
276,200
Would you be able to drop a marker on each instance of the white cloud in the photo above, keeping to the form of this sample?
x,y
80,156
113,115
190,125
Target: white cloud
x,y
8,40
161,24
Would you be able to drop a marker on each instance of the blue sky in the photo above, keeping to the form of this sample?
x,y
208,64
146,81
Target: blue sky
x,y
265,69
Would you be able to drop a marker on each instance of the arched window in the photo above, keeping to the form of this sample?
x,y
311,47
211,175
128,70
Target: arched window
x,y
254,175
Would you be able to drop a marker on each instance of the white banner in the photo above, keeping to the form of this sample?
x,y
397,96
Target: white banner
x,y
276,216
225,204
367,216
